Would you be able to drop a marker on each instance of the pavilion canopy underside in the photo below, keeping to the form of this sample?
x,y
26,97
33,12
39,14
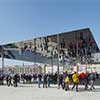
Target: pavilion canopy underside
x,y
71,46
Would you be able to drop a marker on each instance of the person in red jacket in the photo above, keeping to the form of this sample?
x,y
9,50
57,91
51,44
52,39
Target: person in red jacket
x,y
82,78
82,75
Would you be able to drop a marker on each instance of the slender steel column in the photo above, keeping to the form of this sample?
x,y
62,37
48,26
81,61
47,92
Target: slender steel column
x,y
2,57
52,62
2,62
58,47
77,53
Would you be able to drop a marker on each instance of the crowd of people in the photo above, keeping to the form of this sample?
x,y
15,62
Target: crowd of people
x,y
14,79
66,81
87,79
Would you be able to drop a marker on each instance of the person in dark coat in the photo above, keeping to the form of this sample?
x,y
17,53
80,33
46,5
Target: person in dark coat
x,y
48,80
44,80
60,80
15,78
9,79
92,80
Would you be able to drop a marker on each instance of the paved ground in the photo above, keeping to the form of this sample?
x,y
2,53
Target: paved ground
x,y
27,92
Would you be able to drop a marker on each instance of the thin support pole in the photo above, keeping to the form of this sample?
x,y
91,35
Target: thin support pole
x,y
2,63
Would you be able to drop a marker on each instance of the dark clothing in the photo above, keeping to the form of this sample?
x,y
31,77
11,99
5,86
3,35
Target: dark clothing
x,y
39,80
45,81
15,78
60,81
9,79
48,80
90,80
40,77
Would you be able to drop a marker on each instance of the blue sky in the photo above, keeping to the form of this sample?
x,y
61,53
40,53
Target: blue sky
x,y
24,19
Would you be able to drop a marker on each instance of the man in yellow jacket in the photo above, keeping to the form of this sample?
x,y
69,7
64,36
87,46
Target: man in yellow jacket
x,y
75,78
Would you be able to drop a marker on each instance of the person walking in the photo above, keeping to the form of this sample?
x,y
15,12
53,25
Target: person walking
x,y
60,80
15,79
48,80
75,78
44,81
9,80
92,80
39,80
87,78
67,81
82,78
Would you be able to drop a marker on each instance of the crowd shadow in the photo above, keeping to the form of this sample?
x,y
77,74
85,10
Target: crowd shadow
x,y
97,89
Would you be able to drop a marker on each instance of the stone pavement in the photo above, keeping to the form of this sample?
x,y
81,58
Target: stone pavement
x,y
27,92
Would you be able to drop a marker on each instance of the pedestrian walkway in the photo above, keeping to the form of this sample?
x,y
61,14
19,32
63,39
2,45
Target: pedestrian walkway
x,y
30,93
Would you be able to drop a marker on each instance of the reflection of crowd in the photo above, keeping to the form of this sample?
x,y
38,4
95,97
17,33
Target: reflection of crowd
x,y
81,47
40,44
